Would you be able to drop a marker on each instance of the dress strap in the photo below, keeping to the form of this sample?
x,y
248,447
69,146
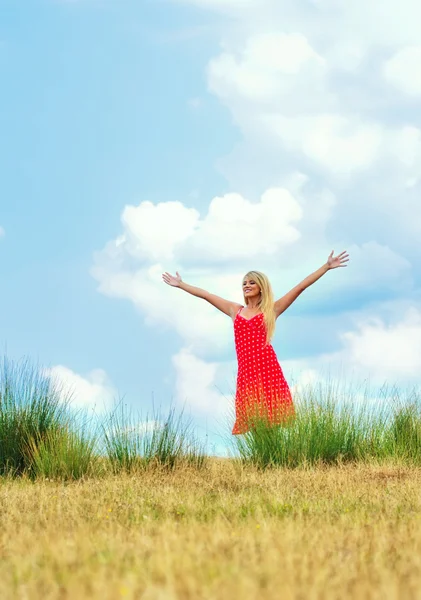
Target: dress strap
x,y
241,308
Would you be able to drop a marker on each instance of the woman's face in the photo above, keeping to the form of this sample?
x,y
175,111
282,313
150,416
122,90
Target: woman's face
x,y
250,288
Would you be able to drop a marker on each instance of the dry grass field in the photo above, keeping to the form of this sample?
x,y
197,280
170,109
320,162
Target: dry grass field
x,y
225,531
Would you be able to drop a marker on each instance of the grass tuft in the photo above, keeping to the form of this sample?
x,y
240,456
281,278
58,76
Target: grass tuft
x,y
64,454
32,408
333,427
132,443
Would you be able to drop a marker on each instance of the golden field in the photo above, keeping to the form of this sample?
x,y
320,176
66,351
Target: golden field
x,y
225,531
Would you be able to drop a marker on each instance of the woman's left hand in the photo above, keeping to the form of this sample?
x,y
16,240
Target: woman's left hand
x,y
334,262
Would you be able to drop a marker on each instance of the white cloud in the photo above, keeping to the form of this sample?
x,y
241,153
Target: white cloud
x,y
337,143
277,86
389,351
407,147
196,385
153,232
168,230
381,349
94,391
269,67
305,82
2,232
341,144
395,22
403,70
235,228
330,21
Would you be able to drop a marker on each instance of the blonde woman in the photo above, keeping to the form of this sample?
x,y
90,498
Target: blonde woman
x,y
262,389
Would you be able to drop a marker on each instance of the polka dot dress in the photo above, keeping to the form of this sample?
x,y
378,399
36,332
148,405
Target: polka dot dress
x,y
261,386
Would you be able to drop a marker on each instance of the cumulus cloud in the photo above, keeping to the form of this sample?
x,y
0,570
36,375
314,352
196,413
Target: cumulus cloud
x,y
390,351
334,22
403,70
340,144
231,229
235,228
310,86
269,67
278,85
153,232
196,384
307,83
384,349
95,391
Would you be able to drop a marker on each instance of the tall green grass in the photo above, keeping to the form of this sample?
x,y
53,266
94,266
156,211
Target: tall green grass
x,y
132,442
335,424
64,454
40,435
31,408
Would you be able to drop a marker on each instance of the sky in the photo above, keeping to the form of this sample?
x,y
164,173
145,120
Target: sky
x,y
210,137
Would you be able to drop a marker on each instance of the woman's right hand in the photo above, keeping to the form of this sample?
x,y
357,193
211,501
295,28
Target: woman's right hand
x,y
171,280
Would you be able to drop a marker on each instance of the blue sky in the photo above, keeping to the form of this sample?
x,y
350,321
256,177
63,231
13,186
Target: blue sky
x,y
201,108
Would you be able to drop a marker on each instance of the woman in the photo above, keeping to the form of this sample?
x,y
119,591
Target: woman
x,y
262,390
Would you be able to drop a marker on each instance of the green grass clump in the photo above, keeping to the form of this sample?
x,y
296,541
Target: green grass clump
x,y
64,454
404,433
332,426
31,409
40,436
131,442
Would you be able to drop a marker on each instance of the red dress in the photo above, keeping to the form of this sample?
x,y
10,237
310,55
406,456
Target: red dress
x,y
261,386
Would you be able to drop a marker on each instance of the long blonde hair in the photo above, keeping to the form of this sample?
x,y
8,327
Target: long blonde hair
x,y
266,302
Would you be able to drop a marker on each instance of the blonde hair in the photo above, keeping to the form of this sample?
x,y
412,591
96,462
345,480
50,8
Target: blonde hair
x,y
266,302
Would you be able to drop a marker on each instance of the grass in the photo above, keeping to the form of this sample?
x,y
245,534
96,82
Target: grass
x,y
41,436
331,428
64,454
32,409
125,507
132,443
226,530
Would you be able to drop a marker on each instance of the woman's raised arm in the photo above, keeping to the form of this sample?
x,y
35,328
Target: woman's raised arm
x,y
225,306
